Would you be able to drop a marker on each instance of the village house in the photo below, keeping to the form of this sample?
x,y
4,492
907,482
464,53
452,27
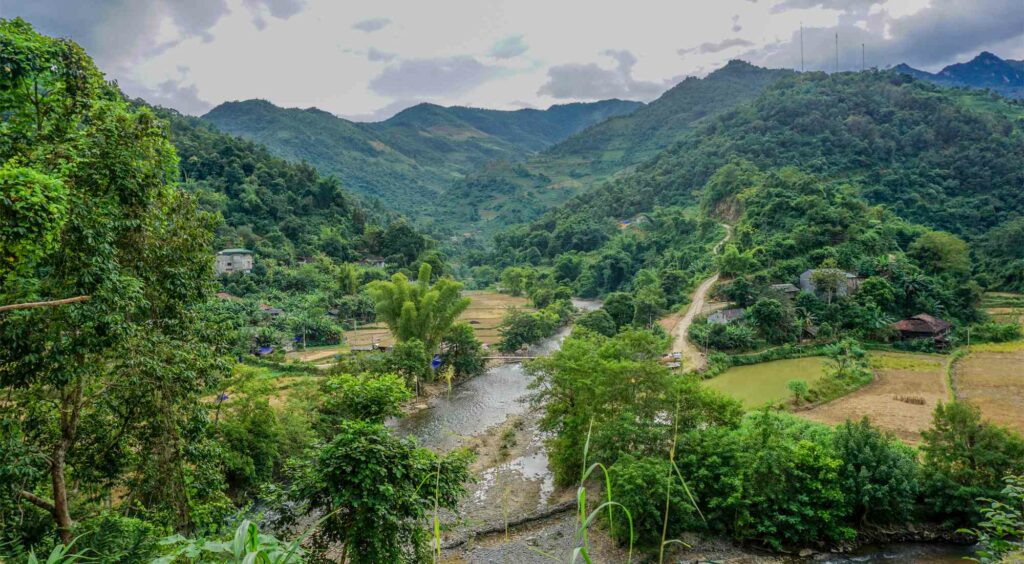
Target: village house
x,y
233,260
724,316
788,290
923,326
852,283
270,310
373,261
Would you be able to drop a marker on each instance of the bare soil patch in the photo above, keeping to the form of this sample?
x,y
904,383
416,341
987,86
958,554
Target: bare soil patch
x,y
897,375
992,378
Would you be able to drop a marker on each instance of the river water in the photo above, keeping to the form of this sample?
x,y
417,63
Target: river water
x,y
480,403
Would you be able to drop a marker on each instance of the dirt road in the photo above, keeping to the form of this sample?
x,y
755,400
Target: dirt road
x,y
693,358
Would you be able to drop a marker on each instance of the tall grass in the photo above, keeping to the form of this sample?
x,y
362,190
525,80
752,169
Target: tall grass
x,y
584,519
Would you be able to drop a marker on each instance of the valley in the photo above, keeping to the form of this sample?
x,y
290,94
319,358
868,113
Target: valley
x,y
765,316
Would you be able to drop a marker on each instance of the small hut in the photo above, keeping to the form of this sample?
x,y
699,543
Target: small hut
x,y
923,326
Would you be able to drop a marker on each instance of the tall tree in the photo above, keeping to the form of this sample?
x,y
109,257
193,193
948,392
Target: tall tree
x,y
418,310
108,382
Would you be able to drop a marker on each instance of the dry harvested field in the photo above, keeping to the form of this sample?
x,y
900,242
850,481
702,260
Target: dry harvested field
x,y
992,378
897,375
484,314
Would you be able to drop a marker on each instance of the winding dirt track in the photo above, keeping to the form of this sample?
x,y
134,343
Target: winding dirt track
x,y
693,358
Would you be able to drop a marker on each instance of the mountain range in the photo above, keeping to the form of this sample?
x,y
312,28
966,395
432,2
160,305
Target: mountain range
x,y
455,170
408,158
1005,76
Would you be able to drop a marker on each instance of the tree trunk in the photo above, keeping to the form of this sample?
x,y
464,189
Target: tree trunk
x,y
70,409
61,513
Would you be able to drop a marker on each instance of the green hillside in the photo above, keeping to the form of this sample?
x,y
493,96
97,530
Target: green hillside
x,y
946,159
409,158
502,196
280,209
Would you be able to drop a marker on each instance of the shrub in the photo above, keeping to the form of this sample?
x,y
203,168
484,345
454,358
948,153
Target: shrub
x,y
790,493
965,458
878,474
641,484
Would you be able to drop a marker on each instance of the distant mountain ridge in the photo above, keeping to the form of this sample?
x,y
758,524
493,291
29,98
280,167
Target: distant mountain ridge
x,y
502,195
408,158
1005,76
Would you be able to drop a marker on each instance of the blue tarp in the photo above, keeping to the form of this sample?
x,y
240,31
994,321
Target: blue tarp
x,y
264,350
435,362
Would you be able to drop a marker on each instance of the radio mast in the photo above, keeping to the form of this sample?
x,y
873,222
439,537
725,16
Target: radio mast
x,y
801,46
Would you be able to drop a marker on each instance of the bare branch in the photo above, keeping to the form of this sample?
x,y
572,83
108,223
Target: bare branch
x,y
37,501
52,303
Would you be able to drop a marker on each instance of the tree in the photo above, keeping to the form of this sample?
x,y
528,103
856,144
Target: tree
x,y
878,291
798,388
376,489
597,321
734,263
138,354
965,458
418,311
938,252
774,319
617,385
366,397
790,491
513,280
463,351
828,280
878,474
620,306
846,358
410,360
520,328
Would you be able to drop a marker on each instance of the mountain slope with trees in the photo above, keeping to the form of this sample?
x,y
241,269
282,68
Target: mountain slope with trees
x,y
408,158
947,159
503,195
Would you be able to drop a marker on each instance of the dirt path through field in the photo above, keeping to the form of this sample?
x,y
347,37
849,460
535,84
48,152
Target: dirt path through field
x,y
693,357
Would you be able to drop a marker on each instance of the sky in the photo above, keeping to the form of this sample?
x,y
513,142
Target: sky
x,y
367,60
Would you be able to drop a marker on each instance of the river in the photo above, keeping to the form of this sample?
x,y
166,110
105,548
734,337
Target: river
x,y
476,412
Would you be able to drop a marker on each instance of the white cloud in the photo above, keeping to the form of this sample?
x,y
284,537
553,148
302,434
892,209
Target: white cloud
x,y
371,59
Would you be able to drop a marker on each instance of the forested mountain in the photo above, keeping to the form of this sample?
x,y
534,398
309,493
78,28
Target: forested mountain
x,y
503,195
408,158
278,208
947,159
1004,76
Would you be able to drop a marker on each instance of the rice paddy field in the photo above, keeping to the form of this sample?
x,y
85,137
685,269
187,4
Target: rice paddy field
x,y
992,378
900,400
1004,307
485,312
759,384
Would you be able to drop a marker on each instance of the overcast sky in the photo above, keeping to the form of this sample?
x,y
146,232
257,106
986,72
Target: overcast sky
x,y
367,60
